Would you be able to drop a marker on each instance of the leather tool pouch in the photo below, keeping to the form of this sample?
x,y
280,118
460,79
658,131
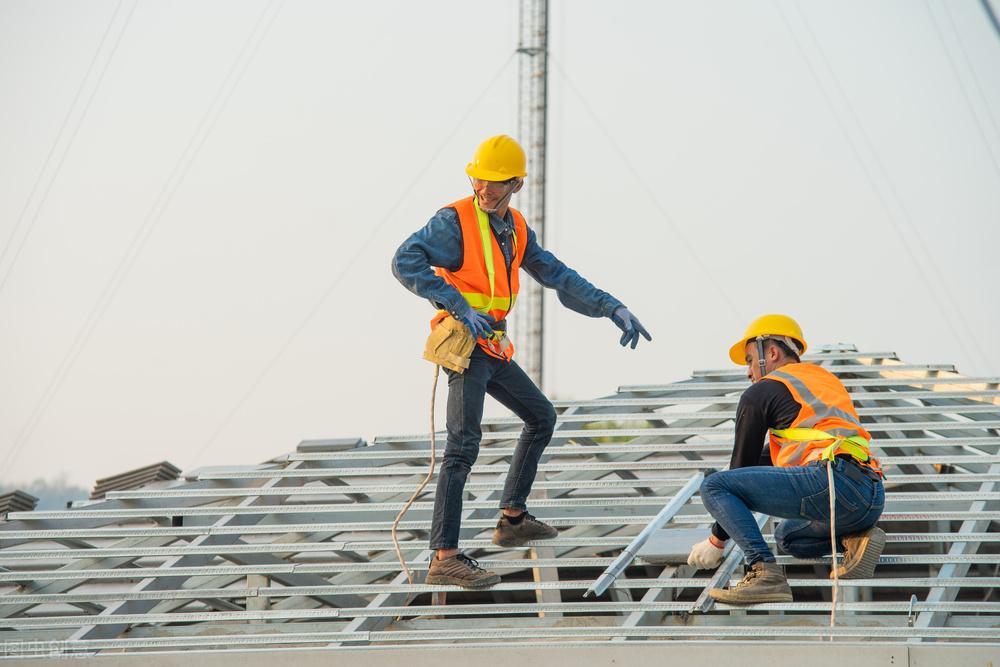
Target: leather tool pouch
x,y
450,345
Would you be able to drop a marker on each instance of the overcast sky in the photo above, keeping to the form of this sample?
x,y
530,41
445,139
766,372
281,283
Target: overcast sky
x,y
199,202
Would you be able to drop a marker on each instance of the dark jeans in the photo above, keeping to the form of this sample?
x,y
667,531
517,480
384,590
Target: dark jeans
x,y
800,496
507,383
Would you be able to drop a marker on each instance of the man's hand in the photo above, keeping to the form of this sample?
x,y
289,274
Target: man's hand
x,y
706,555
479,325
630,326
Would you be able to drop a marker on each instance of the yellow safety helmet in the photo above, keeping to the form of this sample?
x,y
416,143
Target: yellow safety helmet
x,y
498,158
772,326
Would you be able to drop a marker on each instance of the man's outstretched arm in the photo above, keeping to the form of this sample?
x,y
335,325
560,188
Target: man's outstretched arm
x,y
576,293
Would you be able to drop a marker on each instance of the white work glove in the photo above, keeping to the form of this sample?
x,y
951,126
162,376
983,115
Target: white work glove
x,y
705,556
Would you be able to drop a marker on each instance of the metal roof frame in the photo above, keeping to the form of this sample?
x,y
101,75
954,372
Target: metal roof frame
x,y
293,554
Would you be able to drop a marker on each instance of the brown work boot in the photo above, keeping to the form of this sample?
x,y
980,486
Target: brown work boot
x,y
765,582
861,552
518,534
460,570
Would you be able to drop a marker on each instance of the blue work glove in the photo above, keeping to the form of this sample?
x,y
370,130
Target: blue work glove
x,y
630,326
480,325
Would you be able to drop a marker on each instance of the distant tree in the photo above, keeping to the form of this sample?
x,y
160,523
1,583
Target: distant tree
x,y
52,493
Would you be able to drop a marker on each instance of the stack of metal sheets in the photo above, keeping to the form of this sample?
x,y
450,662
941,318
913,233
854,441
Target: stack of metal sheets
x,y
17,501
134,479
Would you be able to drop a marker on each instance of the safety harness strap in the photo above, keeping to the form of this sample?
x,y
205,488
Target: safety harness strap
x,y
487,239
854,445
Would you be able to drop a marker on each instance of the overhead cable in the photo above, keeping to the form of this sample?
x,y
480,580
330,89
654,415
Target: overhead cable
x,y
50,176
987,144
906,232
991,15
667,218
332,286
204,128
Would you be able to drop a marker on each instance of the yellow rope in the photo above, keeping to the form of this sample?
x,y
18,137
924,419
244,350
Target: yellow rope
x,y
430,473
833,545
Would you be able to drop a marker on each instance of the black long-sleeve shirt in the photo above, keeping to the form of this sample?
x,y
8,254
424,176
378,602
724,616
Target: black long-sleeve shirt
x,y
766,404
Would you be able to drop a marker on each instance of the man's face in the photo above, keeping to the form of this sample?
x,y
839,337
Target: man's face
x,y
772,359
491,195
753,365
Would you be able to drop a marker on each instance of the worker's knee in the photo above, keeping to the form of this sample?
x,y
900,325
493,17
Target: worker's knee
x,y
712,489
457,464
711,485
795,548
706,491
790,538
546,420
462,453
785,544
542,421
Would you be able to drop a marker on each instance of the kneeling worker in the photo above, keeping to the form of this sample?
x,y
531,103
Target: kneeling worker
x,y
466,262
811,420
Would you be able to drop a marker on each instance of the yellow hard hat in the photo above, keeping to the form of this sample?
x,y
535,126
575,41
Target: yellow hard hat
x,y
775,326
497,159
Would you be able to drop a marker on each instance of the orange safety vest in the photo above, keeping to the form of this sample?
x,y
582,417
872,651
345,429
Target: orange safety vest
x,y
483,278
827,424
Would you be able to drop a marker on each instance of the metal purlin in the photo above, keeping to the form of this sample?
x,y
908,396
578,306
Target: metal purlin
x,y
358,602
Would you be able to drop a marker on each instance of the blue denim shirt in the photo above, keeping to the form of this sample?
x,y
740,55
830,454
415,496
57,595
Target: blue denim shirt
x,y
439,243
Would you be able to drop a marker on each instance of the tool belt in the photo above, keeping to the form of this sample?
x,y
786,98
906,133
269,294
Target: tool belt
x,y
854,470
450,345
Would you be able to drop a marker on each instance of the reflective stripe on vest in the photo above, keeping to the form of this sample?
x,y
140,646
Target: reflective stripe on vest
x,y
483,279
826,425
854,445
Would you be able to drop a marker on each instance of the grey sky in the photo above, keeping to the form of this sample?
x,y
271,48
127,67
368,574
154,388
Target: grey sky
x,y
674,126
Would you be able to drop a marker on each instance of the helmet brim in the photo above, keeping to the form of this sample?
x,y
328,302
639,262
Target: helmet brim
x,y
489,175
738,352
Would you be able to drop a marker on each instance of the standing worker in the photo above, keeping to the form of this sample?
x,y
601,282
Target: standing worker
x,y
812,421
478,246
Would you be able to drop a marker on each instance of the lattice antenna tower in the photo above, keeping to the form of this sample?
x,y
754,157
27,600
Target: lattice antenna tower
x,y
531,132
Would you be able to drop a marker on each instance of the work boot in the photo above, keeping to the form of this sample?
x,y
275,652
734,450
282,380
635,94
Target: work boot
x,y
861,552
460,570
518,534
765,582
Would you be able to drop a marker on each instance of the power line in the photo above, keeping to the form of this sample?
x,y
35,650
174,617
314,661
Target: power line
x,y
987,144
204,128
938,276
69,144
991,15
331,288
648,190
972,69
896,225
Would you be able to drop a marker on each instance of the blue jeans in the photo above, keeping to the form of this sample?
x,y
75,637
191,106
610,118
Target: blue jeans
x,y
800,496
511,386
